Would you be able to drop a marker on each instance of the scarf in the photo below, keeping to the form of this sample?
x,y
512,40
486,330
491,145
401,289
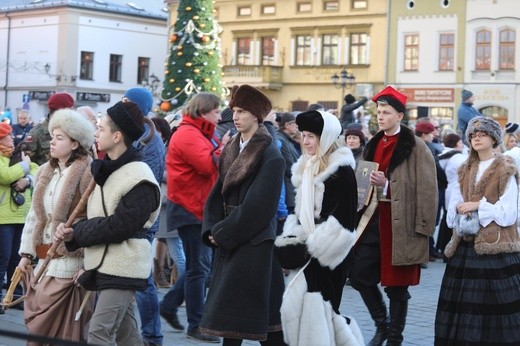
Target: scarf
x,y
101,169
6,151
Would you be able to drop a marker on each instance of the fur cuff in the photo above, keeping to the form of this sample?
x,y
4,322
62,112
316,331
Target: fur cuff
x,y
330,243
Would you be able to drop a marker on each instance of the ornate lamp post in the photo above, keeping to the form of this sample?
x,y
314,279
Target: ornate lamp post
x,y
151,83
343,81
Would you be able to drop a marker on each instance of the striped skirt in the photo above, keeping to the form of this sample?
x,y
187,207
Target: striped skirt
x,y
479,300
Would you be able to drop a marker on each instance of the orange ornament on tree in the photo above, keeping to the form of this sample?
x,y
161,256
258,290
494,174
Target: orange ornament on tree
x,y
165,106
173,38
205,39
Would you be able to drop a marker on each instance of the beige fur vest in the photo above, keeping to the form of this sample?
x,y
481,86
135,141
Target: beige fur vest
x,y
74,186
492,239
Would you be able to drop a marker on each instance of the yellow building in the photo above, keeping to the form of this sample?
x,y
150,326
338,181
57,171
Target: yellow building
x,y
290,49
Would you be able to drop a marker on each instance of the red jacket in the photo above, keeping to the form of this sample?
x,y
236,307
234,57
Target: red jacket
x,y
191,164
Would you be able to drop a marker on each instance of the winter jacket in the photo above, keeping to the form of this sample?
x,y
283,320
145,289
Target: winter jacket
x,y
247,284
10,213
465,113
290,156
414,196
132,199
347,112
154,157
310,309
48,211
191,164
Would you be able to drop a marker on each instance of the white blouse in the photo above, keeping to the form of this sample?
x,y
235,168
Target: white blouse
x,y
503,212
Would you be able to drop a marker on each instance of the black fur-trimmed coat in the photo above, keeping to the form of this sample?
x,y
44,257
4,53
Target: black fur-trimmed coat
x,y
246,288
310,309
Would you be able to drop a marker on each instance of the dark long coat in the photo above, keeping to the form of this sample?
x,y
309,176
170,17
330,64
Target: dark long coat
x,y
246,290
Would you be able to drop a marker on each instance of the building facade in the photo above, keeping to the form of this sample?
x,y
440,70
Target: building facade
x,y
290,49
93,50
439,48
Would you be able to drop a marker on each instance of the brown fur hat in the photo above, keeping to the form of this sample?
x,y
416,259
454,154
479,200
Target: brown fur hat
x,y
251,99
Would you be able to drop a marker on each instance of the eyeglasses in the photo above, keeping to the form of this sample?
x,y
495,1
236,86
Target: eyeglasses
x,y
478,135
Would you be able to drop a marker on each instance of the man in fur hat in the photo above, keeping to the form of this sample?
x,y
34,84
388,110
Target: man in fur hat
x,y
394,239
245,294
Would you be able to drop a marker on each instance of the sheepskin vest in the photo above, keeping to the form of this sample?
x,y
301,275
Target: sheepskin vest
x,y
492,239
130,258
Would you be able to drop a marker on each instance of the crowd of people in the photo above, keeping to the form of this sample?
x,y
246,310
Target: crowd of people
x,y
251,219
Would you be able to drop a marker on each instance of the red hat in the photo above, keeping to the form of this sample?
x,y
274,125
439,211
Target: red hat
x,y
59,101
393,97
5,129
424,127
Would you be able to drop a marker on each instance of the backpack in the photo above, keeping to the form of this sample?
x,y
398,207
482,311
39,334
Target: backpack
x,y
442,179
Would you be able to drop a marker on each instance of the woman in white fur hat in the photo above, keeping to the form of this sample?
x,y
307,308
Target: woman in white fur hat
x,y
51,306
479,300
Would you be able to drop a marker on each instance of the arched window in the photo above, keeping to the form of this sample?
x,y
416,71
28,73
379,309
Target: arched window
x,y
506,49
483,50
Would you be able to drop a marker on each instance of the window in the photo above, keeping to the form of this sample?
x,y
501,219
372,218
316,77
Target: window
x,y
329,104
483,53
268,50
443,114
358,49
304,7
330,50
244,11
143,69
299,106
268,9
359,4
506,49
244,51
411,52
303,50
446,52
331,5
86,65
116,62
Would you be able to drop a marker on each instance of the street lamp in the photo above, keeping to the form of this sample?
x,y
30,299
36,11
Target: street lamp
x,y
344,80
151,83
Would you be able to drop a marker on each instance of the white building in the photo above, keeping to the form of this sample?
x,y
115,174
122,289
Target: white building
x,y
91,49
492,57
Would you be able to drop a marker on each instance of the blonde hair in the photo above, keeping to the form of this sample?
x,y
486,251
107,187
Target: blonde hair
x,y
323,157
200,104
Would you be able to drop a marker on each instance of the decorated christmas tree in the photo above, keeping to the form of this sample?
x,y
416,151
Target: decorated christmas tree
x,y
193,61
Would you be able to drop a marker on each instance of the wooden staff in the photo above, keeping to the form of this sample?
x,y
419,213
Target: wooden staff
x,y
8,299
52,251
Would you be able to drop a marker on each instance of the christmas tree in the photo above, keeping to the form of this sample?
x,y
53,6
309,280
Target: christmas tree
x,y
193,61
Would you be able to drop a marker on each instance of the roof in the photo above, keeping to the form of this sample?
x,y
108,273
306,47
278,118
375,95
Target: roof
x,y
141,8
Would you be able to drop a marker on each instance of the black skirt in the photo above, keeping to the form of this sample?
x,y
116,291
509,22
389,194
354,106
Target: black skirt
x,y
479,300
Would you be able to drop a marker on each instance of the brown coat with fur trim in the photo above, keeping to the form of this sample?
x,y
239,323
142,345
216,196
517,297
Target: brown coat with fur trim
x,y
492,239
74,187
413,186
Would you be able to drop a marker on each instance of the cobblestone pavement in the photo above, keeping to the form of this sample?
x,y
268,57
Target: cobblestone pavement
x,y
418,331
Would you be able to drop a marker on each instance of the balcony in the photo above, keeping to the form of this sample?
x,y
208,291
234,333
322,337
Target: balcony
x,y
263,77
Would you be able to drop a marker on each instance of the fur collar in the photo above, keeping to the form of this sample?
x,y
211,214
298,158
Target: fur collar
x,y
235,166
340,157
76,183
476,190
403,148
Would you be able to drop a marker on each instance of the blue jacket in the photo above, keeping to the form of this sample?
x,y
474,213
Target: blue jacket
x,y
465,113
154,155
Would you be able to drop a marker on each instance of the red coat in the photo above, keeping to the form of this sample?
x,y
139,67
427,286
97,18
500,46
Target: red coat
x,y
191,164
